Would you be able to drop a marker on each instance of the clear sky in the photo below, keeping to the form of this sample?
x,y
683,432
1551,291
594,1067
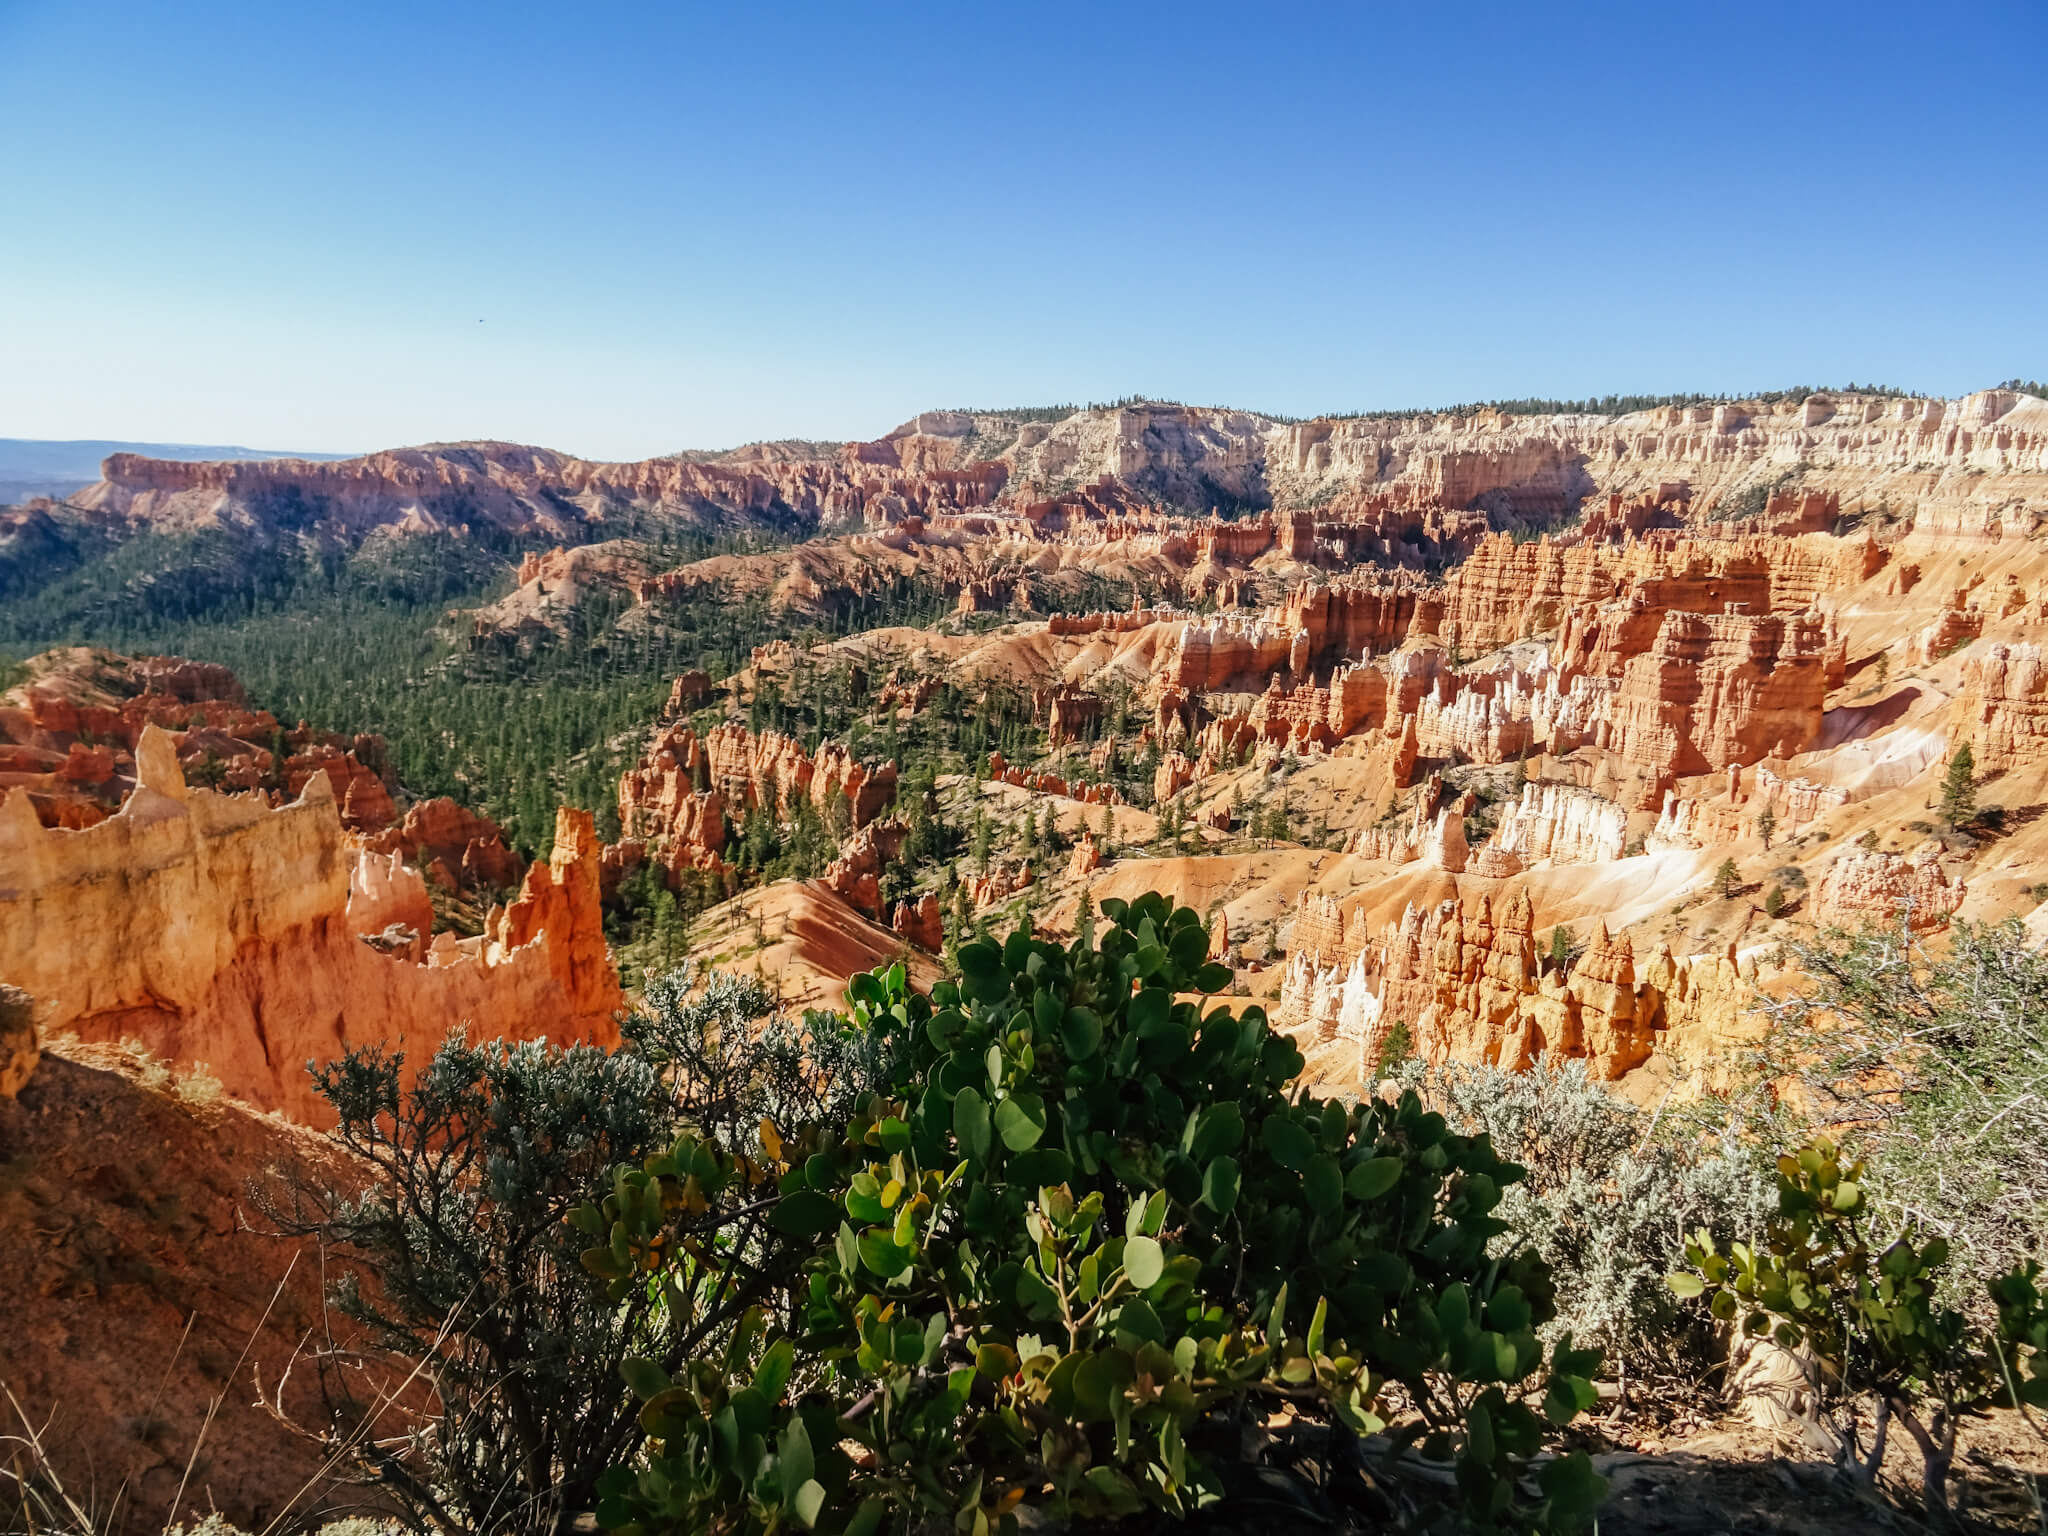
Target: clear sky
x,y
622,229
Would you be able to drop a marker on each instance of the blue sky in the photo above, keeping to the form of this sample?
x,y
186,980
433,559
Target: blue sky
x,y
621,229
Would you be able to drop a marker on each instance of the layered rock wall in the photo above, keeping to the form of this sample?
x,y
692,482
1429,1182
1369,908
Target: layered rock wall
x,y
216,929
2002,711
1467,979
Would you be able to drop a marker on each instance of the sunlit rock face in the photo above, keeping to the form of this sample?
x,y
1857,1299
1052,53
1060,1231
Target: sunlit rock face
x,y
219,929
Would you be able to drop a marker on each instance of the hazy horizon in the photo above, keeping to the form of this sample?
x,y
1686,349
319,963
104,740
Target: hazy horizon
x,y
659,229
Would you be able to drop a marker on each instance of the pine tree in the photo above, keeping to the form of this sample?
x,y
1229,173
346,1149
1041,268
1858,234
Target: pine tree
x,y
1766,824
1959,788
1727,878
1560,947
1276,822
983,839
1398,1046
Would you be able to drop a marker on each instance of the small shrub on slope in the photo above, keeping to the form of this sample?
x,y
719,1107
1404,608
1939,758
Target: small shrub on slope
x,y
1870,1317
1604,1203
1933,1065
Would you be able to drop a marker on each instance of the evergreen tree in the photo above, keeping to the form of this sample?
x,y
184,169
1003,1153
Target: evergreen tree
x,y
1726,879
1396,1048
665,923
1959,788
1276,822
983,840
1560,947
1766,824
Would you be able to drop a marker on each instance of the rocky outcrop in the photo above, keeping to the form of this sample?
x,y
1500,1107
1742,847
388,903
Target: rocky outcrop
x,y
771,772
856,875
1086,857
68,736
533,492
1882,887
1719,689
559,911
920,923
678,797
1553,823
1174,774
1510,590
1955,625
2002,711
386,893
1002,881
453,845
216,929
1467,979
20,1049
1001,772
667,806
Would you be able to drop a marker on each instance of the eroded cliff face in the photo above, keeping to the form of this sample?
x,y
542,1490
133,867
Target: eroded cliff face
x,y
1860,447
1466,975
677,798
69,733
458,847
2002,709
1881,887
217,929
1976,467
528,491
1718,689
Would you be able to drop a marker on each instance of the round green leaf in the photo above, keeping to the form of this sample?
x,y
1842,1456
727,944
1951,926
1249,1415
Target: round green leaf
x,y
1144,1261
1373,1177
879,1253
970,1123
1290,1144
1020,1121
1323,1185
1220,1130
807,1213
1219,1185
1189,947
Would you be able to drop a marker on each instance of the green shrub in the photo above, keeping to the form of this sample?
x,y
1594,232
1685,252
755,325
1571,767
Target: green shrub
x,y
1078,1249
725,1071
1602,1201
1871,1317
477,1166
1933,1064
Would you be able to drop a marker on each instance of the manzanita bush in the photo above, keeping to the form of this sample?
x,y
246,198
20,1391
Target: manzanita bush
x,y
1869,1316
1077,1252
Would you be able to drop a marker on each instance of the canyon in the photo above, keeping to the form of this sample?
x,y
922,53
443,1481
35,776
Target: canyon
x,y
1477,738
1489,647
